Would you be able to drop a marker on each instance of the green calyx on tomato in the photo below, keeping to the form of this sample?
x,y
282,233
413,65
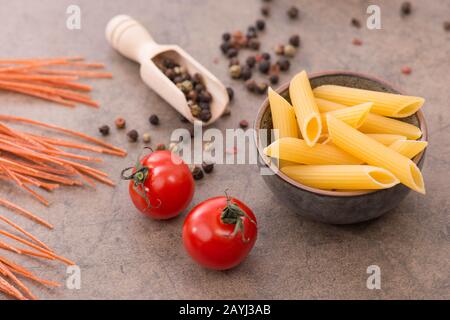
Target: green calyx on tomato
x,y
139,176
233,214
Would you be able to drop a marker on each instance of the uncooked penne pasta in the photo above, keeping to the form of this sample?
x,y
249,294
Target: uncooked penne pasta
x,y
380,124
374,153
353,116
283,116
385,104
375,123
385,138
328,106
305,108
348,177
298,151
408,148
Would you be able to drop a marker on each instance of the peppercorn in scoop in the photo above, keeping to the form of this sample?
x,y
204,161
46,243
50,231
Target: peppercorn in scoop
x,y
193,87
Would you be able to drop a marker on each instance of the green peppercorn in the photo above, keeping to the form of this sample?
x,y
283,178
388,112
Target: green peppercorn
x,y
235,71
290,50
195,110
146,137
186,86
243,124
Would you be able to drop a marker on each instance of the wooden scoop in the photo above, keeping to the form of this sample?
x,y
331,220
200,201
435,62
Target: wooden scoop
x,y
131,39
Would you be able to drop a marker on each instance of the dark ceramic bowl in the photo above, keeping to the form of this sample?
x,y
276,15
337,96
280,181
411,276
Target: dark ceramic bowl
x,y
332,206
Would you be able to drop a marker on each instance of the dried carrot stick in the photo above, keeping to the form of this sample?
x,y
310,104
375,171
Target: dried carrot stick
x,y
80,73
27,274
29,235
6,287
70,85
24,212
9,247
32,65
37,77
36,247
93,65
61,129
33,60
42,95
7,272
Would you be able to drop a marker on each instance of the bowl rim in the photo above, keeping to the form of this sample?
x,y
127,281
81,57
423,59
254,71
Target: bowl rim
x,y
340,194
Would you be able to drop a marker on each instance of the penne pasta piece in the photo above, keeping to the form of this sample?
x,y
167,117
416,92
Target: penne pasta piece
x,y
353,116
379,124
283,116
305,108
328,106
385,104
374,153
386,139
375,123
408,148
298,151
344,177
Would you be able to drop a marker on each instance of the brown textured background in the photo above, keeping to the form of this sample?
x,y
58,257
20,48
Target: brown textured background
x,y
123,255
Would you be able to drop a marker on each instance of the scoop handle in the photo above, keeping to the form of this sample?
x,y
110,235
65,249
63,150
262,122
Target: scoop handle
x,y
129,37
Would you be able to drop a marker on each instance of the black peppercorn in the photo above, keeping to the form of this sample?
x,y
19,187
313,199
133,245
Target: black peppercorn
x,y
169,63
197,78
104,130
293,12
154,120
197,173
226,36
265,11
246,73
250,85
264,66
192,95
205,96
274,79
295,40
284,64
132,135
233,61
230,92
261,88
232,52
251,61
205,115
204,105
199,87
405,8
447,25
224,47
208,166
254,44
260,24
243,124
266,56
356,23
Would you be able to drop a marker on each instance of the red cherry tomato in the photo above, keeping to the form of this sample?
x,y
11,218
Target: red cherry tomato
x,y
219,232
161,185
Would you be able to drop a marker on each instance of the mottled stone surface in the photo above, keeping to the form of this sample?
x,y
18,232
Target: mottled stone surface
x,y
124,255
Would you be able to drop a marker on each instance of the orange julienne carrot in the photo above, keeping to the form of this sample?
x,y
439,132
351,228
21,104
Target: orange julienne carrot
x,y
7,273
24,212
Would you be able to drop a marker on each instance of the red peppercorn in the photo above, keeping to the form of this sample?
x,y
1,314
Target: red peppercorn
x,y
357,42
243,124
406,70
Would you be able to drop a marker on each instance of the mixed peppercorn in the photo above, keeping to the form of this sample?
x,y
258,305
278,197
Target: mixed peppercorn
x,y
234,42
193,87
